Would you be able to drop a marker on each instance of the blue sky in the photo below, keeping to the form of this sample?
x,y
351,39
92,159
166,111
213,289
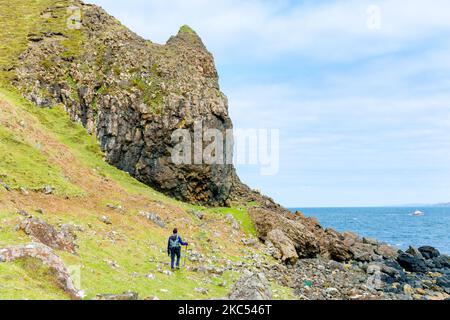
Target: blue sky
x,y
363,112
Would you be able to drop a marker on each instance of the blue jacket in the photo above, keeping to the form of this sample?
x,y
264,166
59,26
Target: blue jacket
x,y
173,237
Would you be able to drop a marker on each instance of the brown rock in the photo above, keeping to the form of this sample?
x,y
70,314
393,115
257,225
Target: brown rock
x,y
284,244
306,235
46,234
387,252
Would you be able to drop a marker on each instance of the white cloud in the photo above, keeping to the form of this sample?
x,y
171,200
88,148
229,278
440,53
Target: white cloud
x,y
264,29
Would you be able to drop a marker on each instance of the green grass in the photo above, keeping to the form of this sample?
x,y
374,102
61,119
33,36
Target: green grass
x,y
8,234
28,279
186,29
241,215
24,165
21,18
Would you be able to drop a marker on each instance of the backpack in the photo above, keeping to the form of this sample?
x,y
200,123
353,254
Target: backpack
x,y
174,243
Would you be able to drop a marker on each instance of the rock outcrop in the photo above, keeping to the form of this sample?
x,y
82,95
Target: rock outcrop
x,y
287,230
132,95
48,257
46,234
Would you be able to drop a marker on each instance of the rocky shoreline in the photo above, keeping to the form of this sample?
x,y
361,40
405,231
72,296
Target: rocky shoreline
x,y
322,263
412,275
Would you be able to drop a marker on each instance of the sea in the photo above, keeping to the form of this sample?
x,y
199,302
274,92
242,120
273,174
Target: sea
x,y
396,226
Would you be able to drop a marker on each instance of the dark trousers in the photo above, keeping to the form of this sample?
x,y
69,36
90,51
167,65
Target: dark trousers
x,y
176,252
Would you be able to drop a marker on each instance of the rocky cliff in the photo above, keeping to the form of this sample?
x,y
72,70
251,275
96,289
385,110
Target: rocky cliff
x,y
130,93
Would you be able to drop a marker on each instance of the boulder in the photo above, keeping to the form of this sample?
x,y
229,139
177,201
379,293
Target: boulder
x,y
411,263
46,234
284,245
48,257
251,286
308,237
443,282
234,224
414,252
386,251
370,241
363,252
153,217
199,214
429,252
443,261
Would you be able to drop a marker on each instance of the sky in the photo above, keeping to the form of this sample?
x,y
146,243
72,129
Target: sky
x,y
359,90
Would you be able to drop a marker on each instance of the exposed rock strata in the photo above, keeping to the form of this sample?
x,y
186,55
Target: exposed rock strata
x,y
132,95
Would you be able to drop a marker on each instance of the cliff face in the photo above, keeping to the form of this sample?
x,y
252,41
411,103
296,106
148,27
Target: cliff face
x,y
131,94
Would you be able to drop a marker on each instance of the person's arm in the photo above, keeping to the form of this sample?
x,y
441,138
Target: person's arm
x,y
168,246
181,241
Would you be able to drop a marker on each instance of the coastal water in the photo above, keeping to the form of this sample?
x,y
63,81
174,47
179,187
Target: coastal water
x,y
393,225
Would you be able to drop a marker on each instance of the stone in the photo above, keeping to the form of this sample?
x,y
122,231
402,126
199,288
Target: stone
x,y
304,240
370,241
105,220
250,242
47,190
336,265
411,263
443,261
332,292
234,224
363,252
202,291
387,252
198,214
284,245
126,296
153,217
46,234
23,213
112,264
414,252
443,282
429,252
251,286
408,290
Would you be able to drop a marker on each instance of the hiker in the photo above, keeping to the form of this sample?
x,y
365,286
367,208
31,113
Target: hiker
x,y
174,248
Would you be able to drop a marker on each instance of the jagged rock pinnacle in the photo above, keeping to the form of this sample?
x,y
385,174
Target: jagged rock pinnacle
x,y
188,37
186,29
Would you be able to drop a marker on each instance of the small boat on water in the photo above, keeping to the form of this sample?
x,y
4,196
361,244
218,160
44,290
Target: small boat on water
x,y
418,213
